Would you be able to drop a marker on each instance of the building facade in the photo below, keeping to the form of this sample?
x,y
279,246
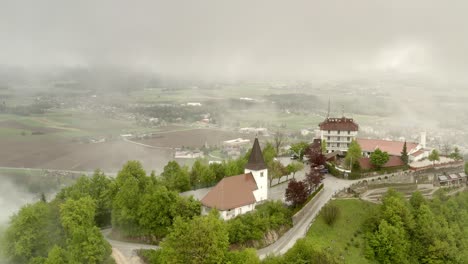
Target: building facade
x,y
338,133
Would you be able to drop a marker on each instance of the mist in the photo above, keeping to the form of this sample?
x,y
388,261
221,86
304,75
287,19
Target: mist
x,y
223,40
13,197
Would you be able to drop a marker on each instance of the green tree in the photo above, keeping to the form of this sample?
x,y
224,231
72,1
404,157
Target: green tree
x,y
75,214
434,156
466,167
300,149
175,177
85,243
27,236
204,239
416,200
379,158
456,155
390,244
395,210
154,212
353,155
324,146
307,251
57,255
404,154
125,206
269,153
276,170
196,172
294,167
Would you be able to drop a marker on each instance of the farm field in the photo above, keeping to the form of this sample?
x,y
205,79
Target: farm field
x,y
194,138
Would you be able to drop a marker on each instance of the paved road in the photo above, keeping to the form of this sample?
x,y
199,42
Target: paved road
x,y
287,241
125,252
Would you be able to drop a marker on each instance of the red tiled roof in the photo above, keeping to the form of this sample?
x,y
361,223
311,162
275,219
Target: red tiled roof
x,y
394,161
231,192
392,147
341,124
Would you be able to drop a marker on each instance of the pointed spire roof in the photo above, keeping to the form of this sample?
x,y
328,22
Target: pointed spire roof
x,y
256,161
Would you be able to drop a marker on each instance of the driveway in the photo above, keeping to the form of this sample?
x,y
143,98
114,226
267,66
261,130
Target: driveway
x,y
125,252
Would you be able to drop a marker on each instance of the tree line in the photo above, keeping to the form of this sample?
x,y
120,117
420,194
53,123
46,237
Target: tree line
x,y
419,231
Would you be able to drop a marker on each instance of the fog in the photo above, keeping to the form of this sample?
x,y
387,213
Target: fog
x,y
12,197
232,40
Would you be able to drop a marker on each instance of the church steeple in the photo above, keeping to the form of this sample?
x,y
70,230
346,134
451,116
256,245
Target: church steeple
x,y
256,161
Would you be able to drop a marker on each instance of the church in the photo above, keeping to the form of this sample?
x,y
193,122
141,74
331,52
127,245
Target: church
x,y
236,195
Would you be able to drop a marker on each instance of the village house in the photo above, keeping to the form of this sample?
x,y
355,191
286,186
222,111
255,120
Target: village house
x,y
236,195
338,133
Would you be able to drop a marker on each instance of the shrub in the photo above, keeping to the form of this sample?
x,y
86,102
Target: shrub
x,y
330,214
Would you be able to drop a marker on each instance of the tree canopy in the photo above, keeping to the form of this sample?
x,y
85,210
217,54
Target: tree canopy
x,y
204,239
379,158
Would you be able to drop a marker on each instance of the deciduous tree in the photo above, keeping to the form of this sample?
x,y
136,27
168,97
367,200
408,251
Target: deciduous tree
x,y
297,192
456,155
203,239
300,149
176,177
379,158
353,155
434,156
276,170
294,167
278,140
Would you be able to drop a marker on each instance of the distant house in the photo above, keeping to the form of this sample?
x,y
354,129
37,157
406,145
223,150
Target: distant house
x,y
236,142
338,133
236,195
182,154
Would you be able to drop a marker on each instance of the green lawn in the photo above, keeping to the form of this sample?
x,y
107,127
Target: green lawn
x,y
344,238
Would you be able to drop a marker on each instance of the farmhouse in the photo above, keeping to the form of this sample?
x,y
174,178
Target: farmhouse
x,y
338,133
239,194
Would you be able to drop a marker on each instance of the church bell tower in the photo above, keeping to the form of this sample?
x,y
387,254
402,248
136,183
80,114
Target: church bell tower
x,y
258,168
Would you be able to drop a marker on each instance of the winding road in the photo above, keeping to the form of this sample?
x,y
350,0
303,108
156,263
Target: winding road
x,y
125,252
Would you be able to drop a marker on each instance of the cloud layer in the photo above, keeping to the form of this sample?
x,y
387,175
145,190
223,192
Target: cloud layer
x,y
239,39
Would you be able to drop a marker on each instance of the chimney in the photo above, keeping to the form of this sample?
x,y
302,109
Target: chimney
x,y
422,140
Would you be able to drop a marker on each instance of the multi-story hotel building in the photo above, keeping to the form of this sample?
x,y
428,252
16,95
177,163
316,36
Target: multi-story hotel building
x,y
338,133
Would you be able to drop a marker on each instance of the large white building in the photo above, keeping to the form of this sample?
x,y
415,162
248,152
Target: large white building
x,y
338,133
239,194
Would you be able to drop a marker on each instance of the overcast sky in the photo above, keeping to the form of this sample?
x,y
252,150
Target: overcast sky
x,y
241,38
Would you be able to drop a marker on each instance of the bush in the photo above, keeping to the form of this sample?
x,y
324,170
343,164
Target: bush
x,y
330,214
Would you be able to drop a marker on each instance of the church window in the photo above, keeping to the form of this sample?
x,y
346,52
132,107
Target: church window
x,y
261,174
